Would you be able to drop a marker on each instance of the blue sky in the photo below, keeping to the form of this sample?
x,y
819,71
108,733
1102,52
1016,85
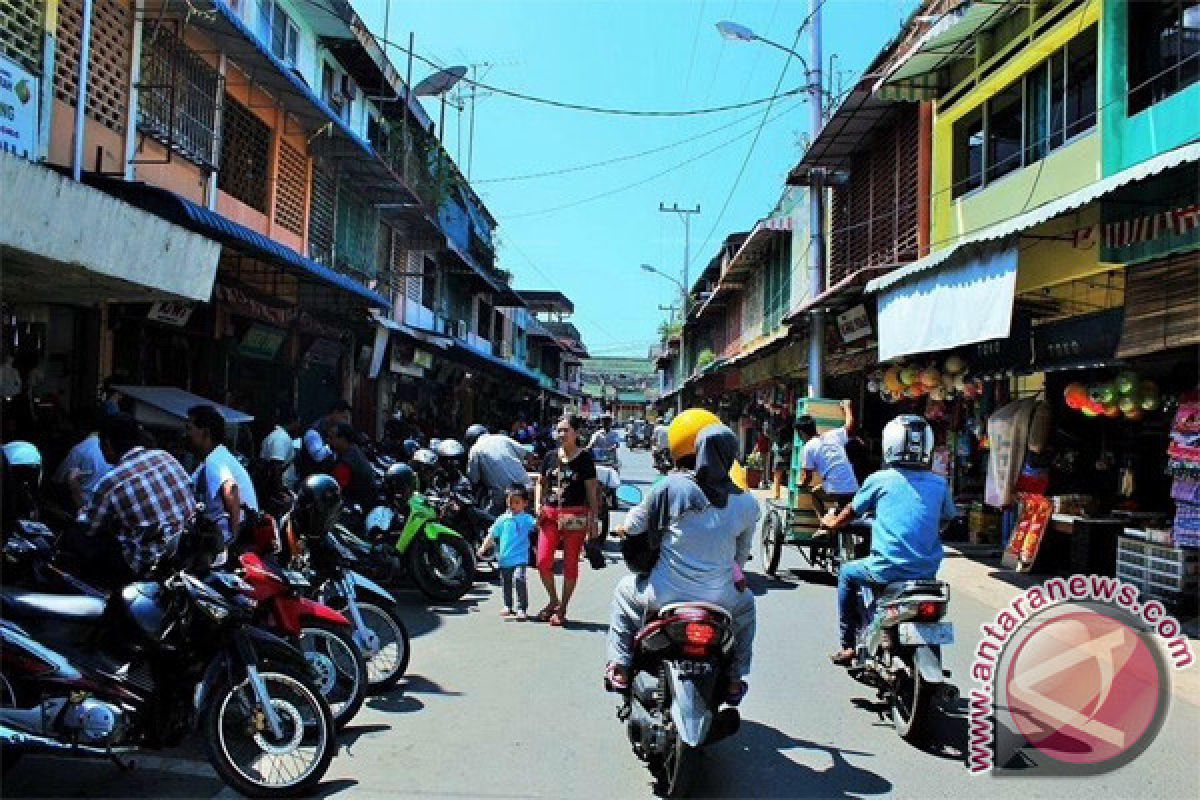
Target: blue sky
x,y
641,54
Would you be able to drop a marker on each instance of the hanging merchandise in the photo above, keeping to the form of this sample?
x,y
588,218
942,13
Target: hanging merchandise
x,y
911,380
1126,395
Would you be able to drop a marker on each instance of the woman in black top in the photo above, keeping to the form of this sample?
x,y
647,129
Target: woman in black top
x,y
567,501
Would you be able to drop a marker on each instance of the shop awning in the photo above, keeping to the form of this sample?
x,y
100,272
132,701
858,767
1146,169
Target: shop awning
x,y
175,208
762,347
477,358
168,405
969,302
415,334
952,37
57,244
1015,225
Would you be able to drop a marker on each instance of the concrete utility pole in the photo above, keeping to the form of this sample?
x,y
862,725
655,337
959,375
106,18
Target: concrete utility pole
x,y
816,206
686,215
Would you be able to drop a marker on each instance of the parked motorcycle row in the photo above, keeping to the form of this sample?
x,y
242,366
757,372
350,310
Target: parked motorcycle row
x,y
266,649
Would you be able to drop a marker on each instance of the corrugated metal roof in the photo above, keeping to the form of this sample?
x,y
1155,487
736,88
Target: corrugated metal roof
x,y
1014,225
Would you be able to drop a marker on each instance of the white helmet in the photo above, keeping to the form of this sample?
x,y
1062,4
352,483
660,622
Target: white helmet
x,y
908,442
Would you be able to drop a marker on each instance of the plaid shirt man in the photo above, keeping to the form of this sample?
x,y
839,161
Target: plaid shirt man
x,y
144,500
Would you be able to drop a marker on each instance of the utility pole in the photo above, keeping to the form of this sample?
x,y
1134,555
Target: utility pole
x,y
816,206
686,215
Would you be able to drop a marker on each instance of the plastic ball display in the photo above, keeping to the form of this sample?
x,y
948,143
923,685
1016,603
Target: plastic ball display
x,y
1102,393
908,376
955,365
1075,396
1128,404
891,378
1126,382
931,377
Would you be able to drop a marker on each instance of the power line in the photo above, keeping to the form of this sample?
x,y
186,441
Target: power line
x,y
750,152
617,159
572,106
655,176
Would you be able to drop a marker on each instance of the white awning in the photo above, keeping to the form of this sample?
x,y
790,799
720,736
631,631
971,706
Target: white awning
x,y
1043,213
970,302
168,405
64,249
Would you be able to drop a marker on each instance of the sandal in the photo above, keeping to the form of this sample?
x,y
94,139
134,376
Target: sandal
x,y
842,658
547,613
559,618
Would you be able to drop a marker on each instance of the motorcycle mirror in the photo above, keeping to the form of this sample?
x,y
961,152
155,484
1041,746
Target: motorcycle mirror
x,y
629,494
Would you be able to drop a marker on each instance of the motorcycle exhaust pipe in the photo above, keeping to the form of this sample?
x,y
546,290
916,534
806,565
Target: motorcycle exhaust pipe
x,y
25,742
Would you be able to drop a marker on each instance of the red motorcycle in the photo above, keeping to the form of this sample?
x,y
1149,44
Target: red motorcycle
x,y
325,636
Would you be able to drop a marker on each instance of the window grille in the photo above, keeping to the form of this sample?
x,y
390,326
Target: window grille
x,y
177,96
357,224
245,155
21,32
112,42
321,214
291,182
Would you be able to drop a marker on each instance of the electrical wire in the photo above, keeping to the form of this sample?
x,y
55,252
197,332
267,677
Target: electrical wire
x,y
617,159
674,167
568,105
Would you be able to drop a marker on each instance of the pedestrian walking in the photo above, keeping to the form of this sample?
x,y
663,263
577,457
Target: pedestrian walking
x,y
510,535
567,498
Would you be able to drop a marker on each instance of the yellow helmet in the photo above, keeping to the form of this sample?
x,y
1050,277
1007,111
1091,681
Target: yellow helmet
x,y
681,435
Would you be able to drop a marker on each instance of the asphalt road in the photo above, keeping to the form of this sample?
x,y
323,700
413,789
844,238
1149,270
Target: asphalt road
x,y
508,709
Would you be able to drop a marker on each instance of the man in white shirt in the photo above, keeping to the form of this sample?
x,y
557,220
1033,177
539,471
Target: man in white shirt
x,y
279,448
221,482
82,469
824,455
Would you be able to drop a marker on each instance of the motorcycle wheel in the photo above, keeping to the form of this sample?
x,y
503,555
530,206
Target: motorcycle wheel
x,y
246,754
443,569
910,703
677,769
339,669
388,665
771,542
8,699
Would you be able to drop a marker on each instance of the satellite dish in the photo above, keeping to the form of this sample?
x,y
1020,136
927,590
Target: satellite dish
x,y
440,82
732,30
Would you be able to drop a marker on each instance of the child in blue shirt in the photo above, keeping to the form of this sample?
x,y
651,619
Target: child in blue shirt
x,y
510,536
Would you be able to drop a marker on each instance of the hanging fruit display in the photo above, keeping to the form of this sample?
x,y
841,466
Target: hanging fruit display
x,y
1126,396
909,380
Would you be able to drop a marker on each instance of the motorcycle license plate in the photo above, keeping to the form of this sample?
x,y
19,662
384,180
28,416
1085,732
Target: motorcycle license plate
x,y
926,633
695,669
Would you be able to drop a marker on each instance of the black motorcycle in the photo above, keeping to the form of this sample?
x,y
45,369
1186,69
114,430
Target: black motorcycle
x,y
92,677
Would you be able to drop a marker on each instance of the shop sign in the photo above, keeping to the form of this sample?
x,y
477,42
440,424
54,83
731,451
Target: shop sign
x,y
307,323
171,312
1087,338
262,341
18,111
242,303
854,324
997,356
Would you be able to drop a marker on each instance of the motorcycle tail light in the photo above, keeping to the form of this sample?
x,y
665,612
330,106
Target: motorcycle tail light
x,y
928,610
698,633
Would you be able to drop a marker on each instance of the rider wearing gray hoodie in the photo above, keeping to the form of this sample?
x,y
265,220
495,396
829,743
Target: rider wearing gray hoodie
x,y
710,530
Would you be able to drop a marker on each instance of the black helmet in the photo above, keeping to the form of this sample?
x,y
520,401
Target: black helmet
x,y
317,506
473,434
450,449
411,446
399,480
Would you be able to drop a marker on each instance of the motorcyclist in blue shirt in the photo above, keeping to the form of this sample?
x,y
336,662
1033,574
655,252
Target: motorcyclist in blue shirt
x,y
909,503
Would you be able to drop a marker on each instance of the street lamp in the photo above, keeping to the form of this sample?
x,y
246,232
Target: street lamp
x,y
816,218
684,304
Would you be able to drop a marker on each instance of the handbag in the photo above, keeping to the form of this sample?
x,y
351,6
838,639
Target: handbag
x,y
641,551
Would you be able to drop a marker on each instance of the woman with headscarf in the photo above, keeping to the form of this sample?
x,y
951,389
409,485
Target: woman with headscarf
x,y
707,538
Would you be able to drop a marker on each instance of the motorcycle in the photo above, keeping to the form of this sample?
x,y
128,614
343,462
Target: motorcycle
x,y
899,647
91,677
662,461
338,666
437,559
379,631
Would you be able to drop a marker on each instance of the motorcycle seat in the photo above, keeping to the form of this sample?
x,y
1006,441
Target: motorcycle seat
x,y
23,604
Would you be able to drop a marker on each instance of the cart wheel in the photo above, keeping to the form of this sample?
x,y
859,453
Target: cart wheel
x,y
771,540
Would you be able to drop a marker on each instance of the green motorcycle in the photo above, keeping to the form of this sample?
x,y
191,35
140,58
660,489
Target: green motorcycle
x,y
414,546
